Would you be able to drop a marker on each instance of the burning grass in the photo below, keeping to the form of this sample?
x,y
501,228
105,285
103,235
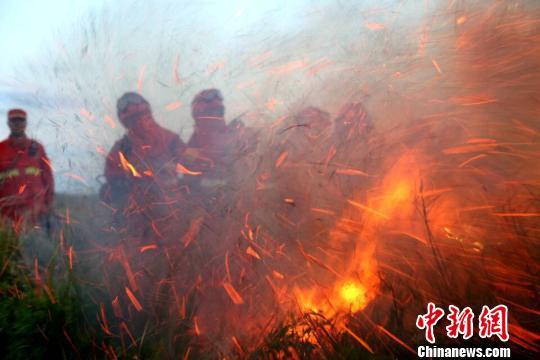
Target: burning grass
x,y
325,243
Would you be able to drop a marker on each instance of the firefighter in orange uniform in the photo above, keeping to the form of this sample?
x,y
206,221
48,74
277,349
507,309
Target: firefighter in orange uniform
x,y
143,187
26,180
141,168
207,147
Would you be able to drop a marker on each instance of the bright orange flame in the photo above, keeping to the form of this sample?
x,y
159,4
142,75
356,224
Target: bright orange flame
x,y
347,296
184,170
400,192
126,165
354,295
398,187
173,106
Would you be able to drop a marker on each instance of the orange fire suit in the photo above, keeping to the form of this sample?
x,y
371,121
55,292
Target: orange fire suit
x,y
26,180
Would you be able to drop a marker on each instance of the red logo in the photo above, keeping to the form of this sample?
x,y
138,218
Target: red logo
x,y
491,322
461,322
494,322
429,320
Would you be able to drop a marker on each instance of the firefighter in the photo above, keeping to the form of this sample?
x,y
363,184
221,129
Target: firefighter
x,y
208,111
218,171
144,192
209,150
26,180
141,168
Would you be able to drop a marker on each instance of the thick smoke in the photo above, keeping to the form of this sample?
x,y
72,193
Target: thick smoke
x,y
437,190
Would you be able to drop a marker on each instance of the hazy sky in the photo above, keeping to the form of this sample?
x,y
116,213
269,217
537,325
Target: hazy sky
x,y
27,29
67,61
36,35
28,26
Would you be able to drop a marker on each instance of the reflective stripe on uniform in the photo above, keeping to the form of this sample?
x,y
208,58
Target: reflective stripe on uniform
x,y
9,174
31,170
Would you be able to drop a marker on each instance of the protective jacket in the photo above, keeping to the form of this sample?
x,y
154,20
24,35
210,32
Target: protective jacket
x,y
26,180
136,162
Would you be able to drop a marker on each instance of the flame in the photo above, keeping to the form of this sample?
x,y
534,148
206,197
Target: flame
x,y
173,106
374,26
346,296
420,218
287,68
87,114
140,81
383,210
147,247
351,172
281,159
76,177
176,74
127,166
70,256
184,170
109,120
353,294
233,294
396,193
133,299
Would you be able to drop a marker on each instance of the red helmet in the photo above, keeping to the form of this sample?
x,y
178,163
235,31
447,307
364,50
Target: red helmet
x,y
16,113
130,107
208,105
